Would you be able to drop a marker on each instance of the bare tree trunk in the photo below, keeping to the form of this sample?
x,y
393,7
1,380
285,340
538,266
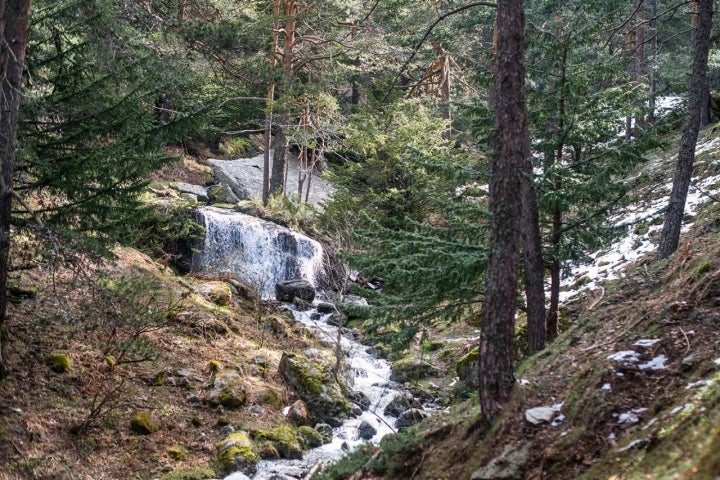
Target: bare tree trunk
x,y
510,141
533,261
14,22
652,76
280,162
670,236
640,59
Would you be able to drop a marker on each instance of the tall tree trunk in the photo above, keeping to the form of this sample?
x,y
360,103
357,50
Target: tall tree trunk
x,y
280,159
14,22
533,261
670,236
553,324
640,59
510,141
652,66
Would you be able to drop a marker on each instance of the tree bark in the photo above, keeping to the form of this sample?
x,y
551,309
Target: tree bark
x,y
14,22
533,261
670,236
510,140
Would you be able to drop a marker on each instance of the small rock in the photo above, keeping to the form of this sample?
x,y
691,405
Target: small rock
x,y
325,308
539,415
288,290
692,359
227,430
298,413
256,410
143,424
193,399
510,464
398,405
366,431
325,431
409,418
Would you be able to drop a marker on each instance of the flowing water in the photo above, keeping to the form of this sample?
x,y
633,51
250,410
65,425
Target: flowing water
x,y
255,251
261,253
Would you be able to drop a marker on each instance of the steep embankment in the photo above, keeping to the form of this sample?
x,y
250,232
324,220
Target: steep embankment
x,y
631,388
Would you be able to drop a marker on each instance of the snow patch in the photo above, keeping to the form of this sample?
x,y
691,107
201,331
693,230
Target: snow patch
x,y
716,361
657,363
631,416
647,342
628,356
606,386
699,383
677,410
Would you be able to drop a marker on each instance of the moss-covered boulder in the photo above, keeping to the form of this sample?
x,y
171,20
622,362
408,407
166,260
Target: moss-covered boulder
x,y
309,437
468,368
316,384
237,453
143,424
59,362
218,293
227,390
271,398
284,438
409,370
325,431
200,473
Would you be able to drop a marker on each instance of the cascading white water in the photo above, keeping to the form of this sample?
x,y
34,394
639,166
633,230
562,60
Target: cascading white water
x,y
261,254
255,251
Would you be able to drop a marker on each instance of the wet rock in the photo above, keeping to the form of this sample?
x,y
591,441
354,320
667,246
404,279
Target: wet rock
x,y
366,431
360,399
409,418
288,290
325,431
399,404
285,439
508,465
325,308
309,437
316,384
237,453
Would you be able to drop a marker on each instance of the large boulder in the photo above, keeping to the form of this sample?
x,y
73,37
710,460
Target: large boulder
x,y
409,418
399,404
245,175
199,191
289,290
316,384
408,370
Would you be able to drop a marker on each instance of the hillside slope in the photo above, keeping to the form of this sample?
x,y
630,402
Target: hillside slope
x,y
631,388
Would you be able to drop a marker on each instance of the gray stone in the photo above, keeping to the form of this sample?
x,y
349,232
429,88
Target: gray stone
x,y
325,308
222,194
244,176
366,431
409,418
288,290
325,431
508,465
539,415
399,404
193,399
200,192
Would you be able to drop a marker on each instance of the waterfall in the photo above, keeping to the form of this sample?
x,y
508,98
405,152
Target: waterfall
x,y
255,251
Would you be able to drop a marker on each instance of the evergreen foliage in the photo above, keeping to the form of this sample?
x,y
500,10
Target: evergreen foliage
x,y
413,205
90,132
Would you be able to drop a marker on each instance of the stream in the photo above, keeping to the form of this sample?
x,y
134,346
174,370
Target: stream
x,y
261,254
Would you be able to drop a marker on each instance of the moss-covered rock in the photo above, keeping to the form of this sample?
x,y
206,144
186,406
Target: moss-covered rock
x,y
237,453
143,424
60,362
200,473
325,431
268,451
177,453
285,439
468,368
309,437
408,370
227,390
317,386
272,398
217,292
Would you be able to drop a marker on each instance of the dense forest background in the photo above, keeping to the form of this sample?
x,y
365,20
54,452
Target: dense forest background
x,y
397,102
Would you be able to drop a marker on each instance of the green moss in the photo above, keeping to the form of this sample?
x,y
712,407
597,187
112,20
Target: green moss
x,y
237,452
702,268
177,453
200,473
268,450
232,396
285,438
469,357
272,397
309,437
60,362
143,424
214,366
